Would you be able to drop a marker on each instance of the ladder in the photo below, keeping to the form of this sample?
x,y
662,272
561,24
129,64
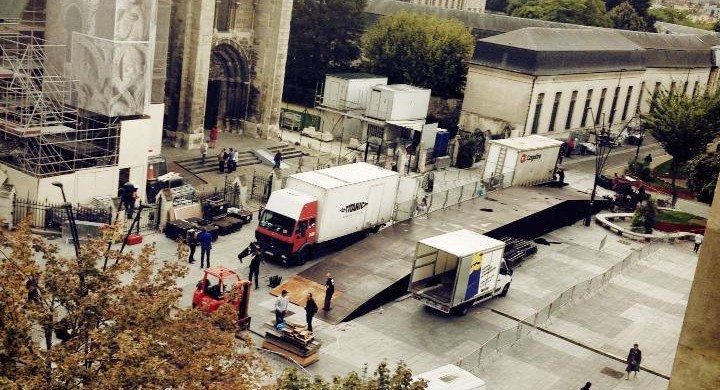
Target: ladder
x,y
500,162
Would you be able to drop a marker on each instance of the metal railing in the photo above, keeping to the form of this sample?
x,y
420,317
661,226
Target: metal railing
x,y
508,337
439,200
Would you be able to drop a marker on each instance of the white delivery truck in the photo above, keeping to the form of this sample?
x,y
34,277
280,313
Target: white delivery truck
x,y
456,270
451,377
521,161
320,206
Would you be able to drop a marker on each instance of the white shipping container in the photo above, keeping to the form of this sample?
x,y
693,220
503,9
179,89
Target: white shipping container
x,y
350,197
398,102
451,377
528,160
349,90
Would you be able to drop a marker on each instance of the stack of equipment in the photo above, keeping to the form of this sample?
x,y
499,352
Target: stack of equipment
x,y
294,341
227,225
243,215
517,250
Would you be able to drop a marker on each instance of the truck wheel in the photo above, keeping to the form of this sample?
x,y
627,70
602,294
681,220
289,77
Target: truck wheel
x,y
505,290
303,256
461,310
375,229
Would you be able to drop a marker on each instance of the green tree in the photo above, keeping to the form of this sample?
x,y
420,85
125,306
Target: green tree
x,y
382,379
496,5
683,125
703,175
624,17
584,12
676,16
324,38
115,329
421,50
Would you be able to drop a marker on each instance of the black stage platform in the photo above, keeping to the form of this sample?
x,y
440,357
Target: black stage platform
x,y
376,269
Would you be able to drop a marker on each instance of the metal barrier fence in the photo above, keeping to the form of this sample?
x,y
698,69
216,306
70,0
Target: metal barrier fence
x,y
510,336
450,197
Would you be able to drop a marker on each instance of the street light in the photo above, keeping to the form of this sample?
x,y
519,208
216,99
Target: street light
x,y
71,218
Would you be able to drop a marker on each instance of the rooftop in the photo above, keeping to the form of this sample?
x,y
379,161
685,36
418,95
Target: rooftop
x,y
356,76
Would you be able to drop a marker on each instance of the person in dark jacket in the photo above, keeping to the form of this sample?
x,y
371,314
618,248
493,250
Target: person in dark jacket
x,y
192,243
205,240
278,160
633,361
329,291
310,309
252,250
587,386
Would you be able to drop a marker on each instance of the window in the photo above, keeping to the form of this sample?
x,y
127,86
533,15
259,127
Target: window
x,y
654,96
695,88
685,88
640,97
553,115
614,104
538,109
571,109
601,105
627,102
586,108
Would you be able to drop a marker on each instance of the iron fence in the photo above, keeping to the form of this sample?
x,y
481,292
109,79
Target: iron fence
x,y
261,188
509,337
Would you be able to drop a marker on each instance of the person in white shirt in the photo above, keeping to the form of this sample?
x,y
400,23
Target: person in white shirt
x,y
698,242
281,306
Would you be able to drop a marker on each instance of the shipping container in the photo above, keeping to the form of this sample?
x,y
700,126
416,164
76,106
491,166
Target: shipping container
x,y
528,160
455,270
398,102
451,377
350,91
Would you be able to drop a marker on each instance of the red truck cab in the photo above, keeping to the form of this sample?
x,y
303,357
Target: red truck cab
x,y
287,227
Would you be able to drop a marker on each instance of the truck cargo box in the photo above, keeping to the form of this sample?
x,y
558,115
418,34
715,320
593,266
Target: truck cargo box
x,y
350,197
527,160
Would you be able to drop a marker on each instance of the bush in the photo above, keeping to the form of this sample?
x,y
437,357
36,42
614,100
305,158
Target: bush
x,y
640,169
645,216
702,172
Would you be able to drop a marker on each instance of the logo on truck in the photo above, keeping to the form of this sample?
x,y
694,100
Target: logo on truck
x,y
353,207
529,157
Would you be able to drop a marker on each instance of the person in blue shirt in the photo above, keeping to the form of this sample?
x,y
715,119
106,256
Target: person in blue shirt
x,y
205,240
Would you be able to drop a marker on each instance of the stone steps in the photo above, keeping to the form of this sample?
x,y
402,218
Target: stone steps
x,y
245,158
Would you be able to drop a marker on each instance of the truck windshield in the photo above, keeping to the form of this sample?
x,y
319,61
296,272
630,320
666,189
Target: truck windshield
x,y
277,223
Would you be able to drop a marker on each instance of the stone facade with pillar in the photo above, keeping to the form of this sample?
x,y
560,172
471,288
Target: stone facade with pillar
x,y
697,360
226,67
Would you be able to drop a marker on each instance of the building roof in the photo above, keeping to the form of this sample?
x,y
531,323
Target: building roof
x,y
530,142
356,76
400,88
558,39
463,243
670,28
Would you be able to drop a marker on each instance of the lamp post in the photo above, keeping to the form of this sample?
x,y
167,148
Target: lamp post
x,y
71,218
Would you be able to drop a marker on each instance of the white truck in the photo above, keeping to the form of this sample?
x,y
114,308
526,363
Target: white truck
x,y
451,377
453,271
321,206
521,161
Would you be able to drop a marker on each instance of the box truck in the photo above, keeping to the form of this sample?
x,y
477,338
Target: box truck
x,y
453,271
526,160
451,377
325,205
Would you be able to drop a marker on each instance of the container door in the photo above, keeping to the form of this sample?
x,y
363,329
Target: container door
x,y
375,198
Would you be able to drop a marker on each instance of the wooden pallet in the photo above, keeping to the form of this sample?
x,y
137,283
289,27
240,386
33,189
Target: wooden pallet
x,y
301,360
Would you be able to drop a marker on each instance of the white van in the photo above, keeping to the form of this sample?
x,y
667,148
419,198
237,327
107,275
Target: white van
x,y
451,377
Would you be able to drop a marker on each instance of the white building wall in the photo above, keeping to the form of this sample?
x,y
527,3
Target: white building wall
x,y
495,97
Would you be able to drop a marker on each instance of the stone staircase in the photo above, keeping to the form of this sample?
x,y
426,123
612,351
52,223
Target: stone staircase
x,y
245,158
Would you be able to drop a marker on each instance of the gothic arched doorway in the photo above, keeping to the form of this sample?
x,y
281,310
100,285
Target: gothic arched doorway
x,y
227,92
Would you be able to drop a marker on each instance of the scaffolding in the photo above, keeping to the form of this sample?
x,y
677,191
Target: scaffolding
x,y
41,133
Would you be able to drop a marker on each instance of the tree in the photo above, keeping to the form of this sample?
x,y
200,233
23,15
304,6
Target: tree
x,y
421,50
382,379
645,216
120,328
496,5
683,125
676,16
584,12
324,38
703,175
624,17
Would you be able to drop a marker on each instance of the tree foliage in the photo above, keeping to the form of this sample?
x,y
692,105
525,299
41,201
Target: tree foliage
x,y
684,125
324,38
703,175
676,16
382,379
624,17
65,323
584,12
421,50
645,216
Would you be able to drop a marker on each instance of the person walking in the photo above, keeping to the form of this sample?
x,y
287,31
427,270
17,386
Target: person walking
x,y
329,291
587,386
310,309
252,250
281,306
278,159
222,158
698,241
129,196
633,361
214,133
192,243
648,159
203,151
205,240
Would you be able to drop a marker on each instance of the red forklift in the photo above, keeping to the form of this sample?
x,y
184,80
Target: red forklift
x,y
227,289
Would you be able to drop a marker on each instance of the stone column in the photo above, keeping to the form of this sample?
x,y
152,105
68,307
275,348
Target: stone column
x,y
697,360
